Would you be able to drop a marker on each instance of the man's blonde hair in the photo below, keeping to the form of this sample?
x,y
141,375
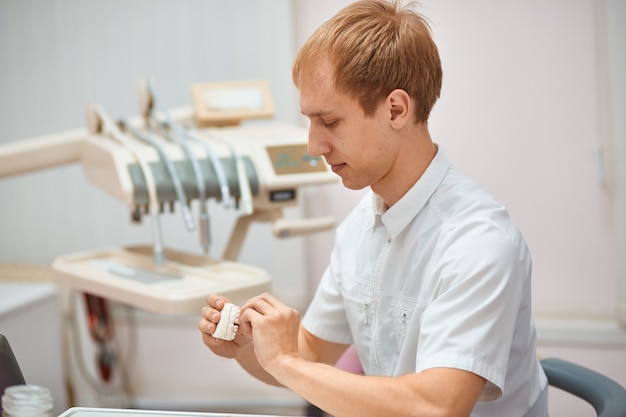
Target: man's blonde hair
x,y
375,47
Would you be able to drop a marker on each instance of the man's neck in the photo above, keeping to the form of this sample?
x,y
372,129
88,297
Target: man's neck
x,y
417,153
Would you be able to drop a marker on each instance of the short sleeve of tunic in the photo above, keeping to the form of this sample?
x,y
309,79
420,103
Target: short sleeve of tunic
x,y
469,322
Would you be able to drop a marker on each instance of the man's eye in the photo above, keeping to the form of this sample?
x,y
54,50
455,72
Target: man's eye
x,y
329,124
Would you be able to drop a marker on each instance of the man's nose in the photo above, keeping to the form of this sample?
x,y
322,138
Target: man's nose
x,y
316,145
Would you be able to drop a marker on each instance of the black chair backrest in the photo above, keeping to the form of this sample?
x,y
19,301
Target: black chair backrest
x,y
10,373
605,395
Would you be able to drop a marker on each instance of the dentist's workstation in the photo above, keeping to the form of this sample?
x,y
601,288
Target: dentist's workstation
x,y
167,162
311,209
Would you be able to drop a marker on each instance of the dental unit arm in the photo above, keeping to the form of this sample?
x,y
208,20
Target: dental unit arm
x,y
137,162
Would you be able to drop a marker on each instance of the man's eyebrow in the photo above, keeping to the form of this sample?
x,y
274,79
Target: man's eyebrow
x,y
320,113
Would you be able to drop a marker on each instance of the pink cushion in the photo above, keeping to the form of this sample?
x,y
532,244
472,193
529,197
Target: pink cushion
x,y
349,361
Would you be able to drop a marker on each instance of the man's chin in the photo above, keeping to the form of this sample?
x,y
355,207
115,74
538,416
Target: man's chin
x,y
351,185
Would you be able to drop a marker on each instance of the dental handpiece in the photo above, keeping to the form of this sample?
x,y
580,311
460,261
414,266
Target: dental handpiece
x,y
242,178
178,137
203,217
227,199
244,184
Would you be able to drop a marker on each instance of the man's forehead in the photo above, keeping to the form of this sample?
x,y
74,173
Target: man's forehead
x,y
319,102
325,102
317,97
314,76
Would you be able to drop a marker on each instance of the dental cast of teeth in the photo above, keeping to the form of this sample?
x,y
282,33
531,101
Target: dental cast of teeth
x,y
227,326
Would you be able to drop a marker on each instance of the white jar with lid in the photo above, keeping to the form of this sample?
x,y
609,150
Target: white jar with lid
x,y
27,401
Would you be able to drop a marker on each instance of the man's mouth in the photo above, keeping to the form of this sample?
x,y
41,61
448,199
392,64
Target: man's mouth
x,y
337,167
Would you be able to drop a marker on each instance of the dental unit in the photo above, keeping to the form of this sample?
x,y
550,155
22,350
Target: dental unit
x,y
167,158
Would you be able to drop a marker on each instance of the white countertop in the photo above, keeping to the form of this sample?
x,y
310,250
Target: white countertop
x,y
112,412
15,295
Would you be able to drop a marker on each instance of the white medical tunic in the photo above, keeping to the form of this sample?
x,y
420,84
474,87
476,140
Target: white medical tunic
x,y
440,279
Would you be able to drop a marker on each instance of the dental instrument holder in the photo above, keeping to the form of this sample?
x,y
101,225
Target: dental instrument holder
x,y
280,168
165,187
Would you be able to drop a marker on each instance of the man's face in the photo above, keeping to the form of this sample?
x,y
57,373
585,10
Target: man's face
x,y
358,148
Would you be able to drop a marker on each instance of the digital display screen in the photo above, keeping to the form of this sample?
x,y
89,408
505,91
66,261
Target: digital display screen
x,y
294,159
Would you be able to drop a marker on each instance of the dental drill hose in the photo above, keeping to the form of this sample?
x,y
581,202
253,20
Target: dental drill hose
x,y
150,103
178,187
148,100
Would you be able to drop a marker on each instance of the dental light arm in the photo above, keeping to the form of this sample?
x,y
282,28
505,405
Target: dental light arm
x,y
42,152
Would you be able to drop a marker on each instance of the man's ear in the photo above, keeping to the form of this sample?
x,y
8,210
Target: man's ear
x,y
400,109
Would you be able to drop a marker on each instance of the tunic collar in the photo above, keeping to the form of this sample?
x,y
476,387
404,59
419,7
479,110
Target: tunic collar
x,y
397,217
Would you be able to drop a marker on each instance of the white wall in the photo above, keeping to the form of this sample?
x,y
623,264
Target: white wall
x,y
522,111
616,34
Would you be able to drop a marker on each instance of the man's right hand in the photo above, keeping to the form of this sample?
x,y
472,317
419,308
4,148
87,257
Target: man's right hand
x,y
210,316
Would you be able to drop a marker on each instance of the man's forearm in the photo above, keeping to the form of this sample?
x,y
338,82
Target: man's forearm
x,y
436,392
247,360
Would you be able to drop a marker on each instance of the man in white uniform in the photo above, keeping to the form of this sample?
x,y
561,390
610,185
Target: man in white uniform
x,y
429,277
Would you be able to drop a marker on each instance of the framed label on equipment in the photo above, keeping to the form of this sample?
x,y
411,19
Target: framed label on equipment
x,y
224,104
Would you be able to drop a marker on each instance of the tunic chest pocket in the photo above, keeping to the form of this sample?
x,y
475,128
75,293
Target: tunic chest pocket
x,y
358,296
393,321
395,315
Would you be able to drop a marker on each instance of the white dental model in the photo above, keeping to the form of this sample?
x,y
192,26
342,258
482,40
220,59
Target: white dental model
x,y
227,326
